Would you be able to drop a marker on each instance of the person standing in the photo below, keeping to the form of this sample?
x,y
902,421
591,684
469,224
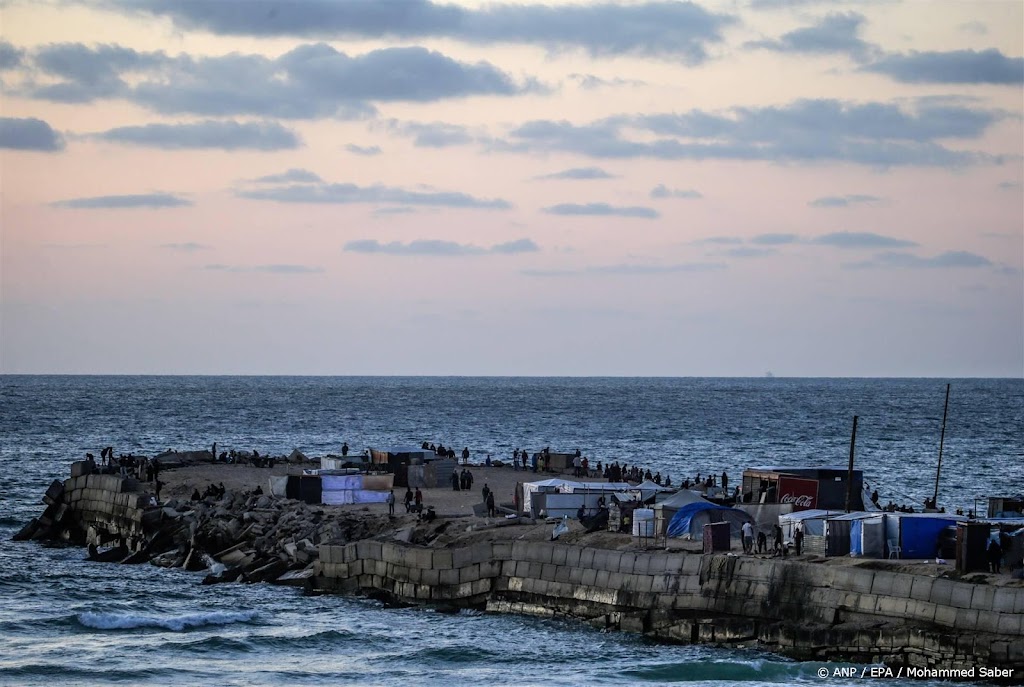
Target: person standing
x,y
391,502
777,544
344,449
798,540
492,511
418,499
465,455
456,479
995,555
748,537
408,499
515,460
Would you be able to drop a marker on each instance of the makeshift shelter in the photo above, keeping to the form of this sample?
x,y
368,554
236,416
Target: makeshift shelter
x,y
689,520
859,534
530,490
812,522
347,489
917,534
648,488
804,487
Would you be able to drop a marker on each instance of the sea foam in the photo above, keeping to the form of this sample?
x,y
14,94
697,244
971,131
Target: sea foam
x,y
177,623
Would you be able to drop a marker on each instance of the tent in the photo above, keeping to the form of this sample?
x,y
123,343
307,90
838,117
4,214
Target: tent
x,y
543,486
856,534
648,489
689,520
812,521
917,534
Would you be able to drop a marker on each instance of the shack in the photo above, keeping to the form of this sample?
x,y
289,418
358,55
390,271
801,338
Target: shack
x,y
1005,507
805,488
855,534
916,535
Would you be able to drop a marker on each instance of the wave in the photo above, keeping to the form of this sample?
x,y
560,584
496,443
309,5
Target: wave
x,y
756,670
130,621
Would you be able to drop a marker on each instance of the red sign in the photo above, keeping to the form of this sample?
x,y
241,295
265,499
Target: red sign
x,y
802,493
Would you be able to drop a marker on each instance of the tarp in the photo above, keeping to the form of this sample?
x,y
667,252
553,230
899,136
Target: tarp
x,y
531,488
378,482
279,486
867,537
919,536
339,482
812,522
649,488
689,520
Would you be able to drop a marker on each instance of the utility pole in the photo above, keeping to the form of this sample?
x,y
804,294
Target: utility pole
x,y
942,440
849,472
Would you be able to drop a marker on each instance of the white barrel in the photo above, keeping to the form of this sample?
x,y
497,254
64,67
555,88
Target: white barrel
x,y
643,522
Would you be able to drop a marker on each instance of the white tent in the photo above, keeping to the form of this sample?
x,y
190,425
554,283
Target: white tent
x,y
812,521
543,486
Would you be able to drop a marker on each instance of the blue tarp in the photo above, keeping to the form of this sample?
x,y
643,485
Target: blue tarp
x,y
919,536
856,533
679,525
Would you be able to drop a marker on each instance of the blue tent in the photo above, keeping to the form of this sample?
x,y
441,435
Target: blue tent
x,y
919,536
690,519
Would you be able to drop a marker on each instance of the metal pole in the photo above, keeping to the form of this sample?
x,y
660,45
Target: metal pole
x,y
849,473
942,440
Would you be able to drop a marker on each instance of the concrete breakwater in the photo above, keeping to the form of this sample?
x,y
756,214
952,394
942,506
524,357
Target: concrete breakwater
x,y
808,610
805,610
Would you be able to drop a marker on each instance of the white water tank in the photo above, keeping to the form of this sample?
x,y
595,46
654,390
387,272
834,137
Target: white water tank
x,y
643,522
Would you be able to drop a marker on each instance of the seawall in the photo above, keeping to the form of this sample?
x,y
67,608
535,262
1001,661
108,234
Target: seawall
x,y
802,609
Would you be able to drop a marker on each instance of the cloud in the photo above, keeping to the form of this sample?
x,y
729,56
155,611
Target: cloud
x,y
843,201
775,239
142,200
268,269
718,241
862,239
10,56
29,134
395,210
947,260
748,252
266,136
822,130
292,175
432,134
592,82
602,209
662,191
363,150
438,248
680,30
343,194
579,173
189,247
835,33
629,269
310,81
954,67
975,27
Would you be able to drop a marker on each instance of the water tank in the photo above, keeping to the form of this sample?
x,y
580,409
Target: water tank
x,y
643,522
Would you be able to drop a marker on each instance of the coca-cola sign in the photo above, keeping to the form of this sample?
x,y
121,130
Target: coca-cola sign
x,y
802,493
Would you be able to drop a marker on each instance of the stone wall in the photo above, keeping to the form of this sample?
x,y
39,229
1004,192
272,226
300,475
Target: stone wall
x,y
105,508
803,609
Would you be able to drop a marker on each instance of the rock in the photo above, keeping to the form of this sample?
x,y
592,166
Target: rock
x,y
26,532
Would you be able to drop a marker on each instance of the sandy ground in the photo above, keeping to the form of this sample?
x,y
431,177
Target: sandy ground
x,y
458,505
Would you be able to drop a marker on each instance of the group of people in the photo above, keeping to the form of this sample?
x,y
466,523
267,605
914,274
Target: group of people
x,y
138,467
462,481
413,500
443,451
215,490
761,545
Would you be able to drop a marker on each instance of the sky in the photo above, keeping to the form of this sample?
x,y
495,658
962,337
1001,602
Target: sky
x,y
409,187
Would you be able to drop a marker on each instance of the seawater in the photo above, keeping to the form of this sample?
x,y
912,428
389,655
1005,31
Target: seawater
x,y
66,621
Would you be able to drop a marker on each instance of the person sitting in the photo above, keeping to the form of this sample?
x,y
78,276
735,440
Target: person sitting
x,y
196,496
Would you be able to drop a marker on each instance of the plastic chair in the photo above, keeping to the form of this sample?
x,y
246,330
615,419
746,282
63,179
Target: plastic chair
x,y
895,550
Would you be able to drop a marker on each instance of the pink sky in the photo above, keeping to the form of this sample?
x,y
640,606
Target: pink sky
x,y
265,187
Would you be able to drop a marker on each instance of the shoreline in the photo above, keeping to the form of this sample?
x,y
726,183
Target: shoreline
x,y
900,614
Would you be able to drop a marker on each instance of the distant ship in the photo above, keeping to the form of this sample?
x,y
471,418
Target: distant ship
x,y
769,375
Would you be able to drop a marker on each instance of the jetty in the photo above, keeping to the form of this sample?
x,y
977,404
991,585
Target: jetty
x,y
913,614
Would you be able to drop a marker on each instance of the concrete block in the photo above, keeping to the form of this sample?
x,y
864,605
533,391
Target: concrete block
x,y
508,568
563,574
627,562
921,589
469,573
612,561
501,550
1010,625
688,564
961,596
983,597
420,558
1003,599
547,572
589,577
942,591
572,556
575,575
431,578
442,558
535,570
462,557
966,620
448,576
558,555
600,559
614,582
587,557
946,616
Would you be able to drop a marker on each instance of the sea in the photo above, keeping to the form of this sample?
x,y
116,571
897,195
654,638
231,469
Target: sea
x,y
66,621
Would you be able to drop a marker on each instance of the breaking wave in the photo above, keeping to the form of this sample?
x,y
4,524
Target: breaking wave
x,y
129,621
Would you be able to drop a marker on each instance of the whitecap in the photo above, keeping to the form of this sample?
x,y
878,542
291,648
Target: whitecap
x,y
177,623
